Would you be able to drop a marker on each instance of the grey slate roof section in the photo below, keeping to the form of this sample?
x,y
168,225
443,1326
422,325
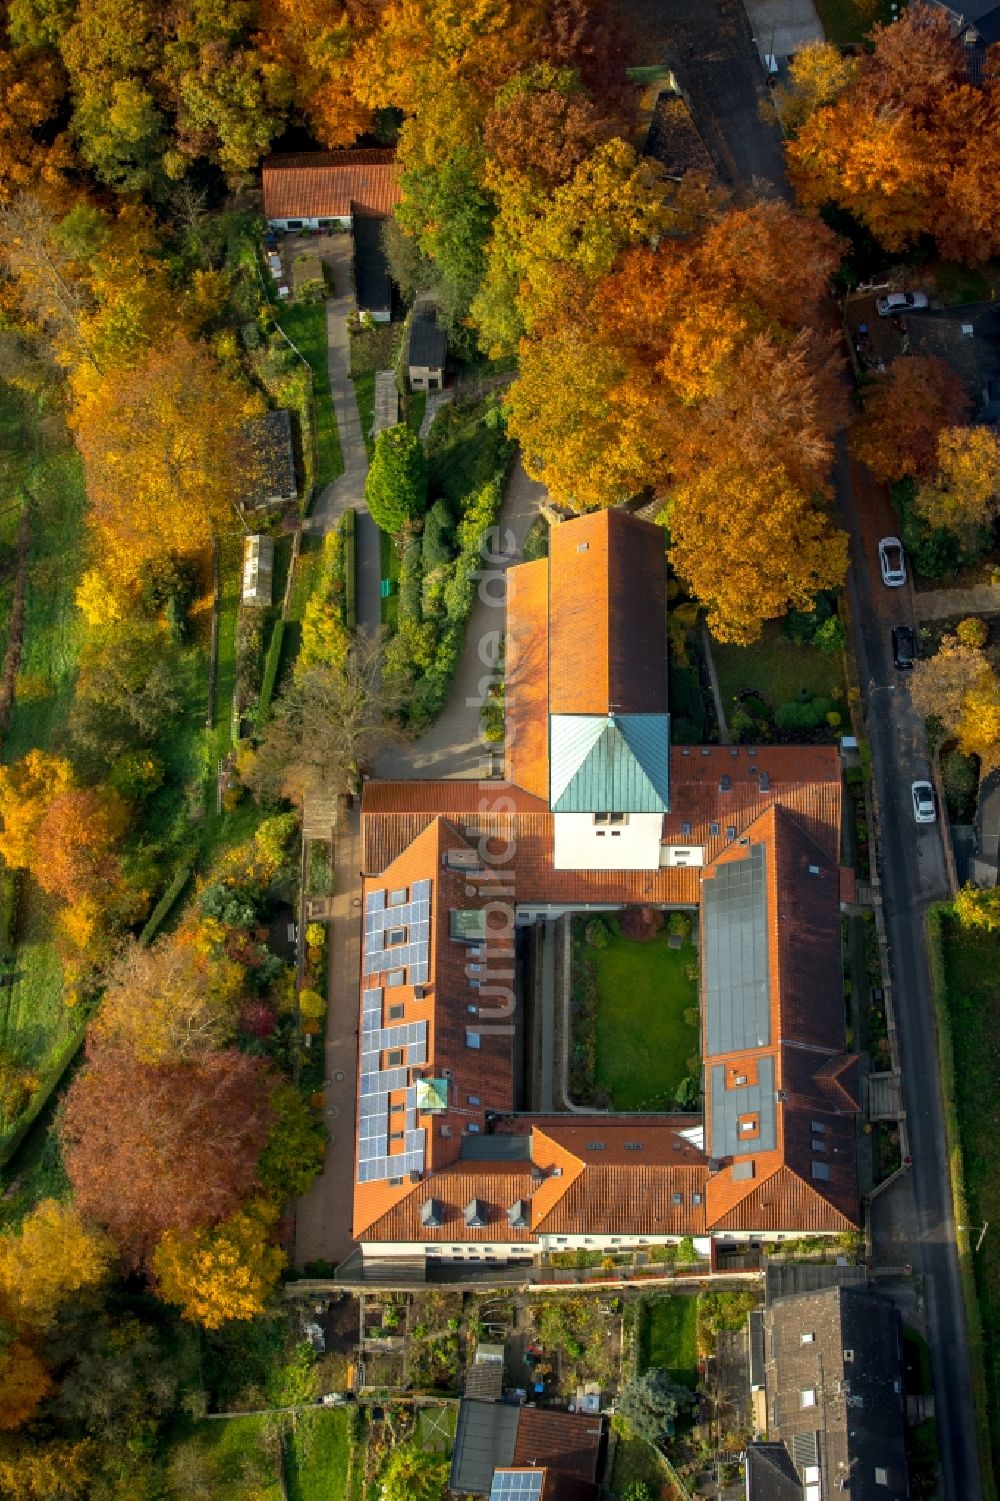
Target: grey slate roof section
x,y
372,280
851,1359
784,1278
484,1439
609,764
428,343
770,1474
501,1148
727,1105
735,956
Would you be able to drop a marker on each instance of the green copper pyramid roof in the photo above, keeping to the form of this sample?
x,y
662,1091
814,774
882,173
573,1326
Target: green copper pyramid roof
x,y
603,763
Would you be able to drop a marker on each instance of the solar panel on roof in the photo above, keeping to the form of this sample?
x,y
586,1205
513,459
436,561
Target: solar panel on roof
x,y
517,1485
735,961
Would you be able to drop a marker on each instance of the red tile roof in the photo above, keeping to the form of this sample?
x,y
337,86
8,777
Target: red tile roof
x,y
526,678
329,184
607,615
568,1444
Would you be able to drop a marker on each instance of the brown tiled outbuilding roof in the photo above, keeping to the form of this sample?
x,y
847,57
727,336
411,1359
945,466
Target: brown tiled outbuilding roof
x,y
567,1444
330,184
607,616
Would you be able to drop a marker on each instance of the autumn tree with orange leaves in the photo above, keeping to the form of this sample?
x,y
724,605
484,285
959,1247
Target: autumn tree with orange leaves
x,y
686,371
908,146
906,410
156,1147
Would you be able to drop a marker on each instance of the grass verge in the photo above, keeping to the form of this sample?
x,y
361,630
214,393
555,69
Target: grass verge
x,y
965,978
643,1040
851,20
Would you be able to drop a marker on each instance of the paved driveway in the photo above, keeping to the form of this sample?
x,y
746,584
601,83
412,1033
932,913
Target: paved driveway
x,y
783,26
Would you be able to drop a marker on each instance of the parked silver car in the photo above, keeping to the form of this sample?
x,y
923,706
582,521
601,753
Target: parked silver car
x,y
924,807
901,302
892,562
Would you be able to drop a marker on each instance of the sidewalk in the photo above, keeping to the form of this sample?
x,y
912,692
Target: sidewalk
x,y
323,1216
938,604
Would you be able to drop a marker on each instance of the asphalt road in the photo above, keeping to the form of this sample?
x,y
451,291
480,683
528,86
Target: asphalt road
x,y
917,1224
717,66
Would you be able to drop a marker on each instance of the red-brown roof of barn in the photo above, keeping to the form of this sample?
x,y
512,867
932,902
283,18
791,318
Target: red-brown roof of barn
x,y
330,184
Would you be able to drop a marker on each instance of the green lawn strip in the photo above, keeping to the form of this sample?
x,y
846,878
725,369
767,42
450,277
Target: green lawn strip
x,y
643,1041
668,1338
52,627
848,21
319,1453
233,1450
305,325
364,394
34,1022
415,409
637,1462
965,975
778,668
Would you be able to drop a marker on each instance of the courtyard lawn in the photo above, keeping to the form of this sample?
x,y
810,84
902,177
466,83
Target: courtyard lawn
x,y
235,1457
777,668
668,1338
643,1041
971,965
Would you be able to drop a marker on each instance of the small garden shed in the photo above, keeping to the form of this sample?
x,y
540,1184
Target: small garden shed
x,y
258,569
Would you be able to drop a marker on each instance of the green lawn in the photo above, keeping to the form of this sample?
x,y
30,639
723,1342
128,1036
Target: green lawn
x,y
318,1457
463,452
643,1040
778,668
52,623
305,325
668,1338
972,975
638,1462
234,1459
372,349
851,20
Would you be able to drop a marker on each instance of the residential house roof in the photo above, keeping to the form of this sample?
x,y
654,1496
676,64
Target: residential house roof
x,y
606,616
330,184
770,1474
834,1383
674,140
568,1444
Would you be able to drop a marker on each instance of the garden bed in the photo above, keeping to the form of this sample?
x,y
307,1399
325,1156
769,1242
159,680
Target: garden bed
x,y
780,690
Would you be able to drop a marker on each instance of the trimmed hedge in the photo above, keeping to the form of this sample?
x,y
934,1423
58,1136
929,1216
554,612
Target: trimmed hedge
x,y
166,904
348,531
14,1138
271,664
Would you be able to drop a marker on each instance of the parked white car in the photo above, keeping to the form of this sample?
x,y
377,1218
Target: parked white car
x,y
901,302
924,807
892,562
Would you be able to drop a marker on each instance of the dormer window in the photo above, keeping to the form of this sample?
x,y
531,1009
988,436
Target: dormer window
x,y
475,1214
395,937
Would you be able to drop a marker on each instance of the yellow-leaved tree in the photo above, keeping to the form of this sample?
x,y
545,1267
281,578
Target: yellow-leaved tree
x,y
978,907
965,492
818,75
166,460
26,790
220,1273
55,1255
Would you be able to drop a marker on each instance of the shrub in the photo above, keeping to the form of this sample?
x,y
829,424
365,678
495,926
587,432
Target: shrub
x,y
439,537
311,1003
411,577
972,631
679,925
396,488
316,935
597,935
830,636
